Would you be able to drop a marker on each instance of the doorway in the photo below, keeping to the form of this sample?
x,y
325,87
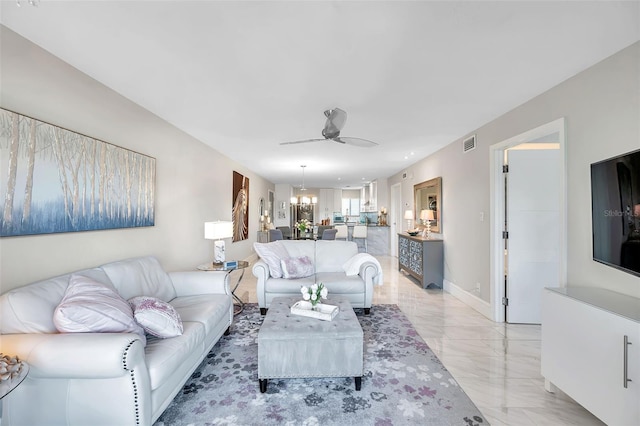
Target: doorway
x,y
528,221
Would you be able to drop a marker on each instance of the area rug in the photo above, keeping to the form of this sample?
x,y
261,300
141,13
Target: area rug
x,y
404,383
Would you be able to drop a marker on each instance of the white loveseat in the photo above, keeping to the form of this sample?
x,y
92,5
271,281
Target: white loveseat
x,y
109,378
354,282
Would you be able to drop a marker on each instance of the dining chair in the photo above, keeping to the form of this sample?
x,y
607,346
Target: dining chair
x,y
360,232
286,232
343,232
321,229
329,234
275,235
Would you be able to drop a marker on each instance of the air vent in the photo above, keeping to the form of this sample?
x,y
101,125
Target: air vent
x,y
469,143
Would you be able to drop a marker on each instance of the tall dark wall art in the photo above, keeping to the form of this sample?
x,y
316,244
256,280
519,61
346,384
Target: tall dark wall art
x,y
55,180
240,211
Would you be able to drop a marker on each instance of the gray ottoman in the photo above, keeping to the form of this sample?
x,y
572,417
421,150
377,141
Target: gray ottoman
x,y
292,346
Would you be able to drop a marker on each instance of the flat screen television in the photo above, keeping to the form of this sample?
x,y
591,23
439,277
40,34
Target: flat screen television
x,y
615,210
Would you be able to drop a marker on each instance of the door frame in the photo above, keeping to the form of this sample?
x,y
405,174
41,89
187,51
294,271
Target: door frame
x,y
497,203
394,213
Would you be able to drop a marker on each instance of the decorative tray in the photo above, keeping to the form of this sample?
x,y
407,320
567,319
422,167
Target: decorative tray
x,y
322,312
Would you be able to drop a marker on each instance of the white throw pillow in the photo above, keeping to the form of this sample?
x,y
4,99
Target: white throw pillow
x,y
89,306
297,267
272,253
156,317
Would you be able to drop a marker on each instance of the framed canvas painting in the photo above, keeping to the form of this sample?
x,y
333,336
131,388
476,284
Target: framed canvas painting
x,y
56,180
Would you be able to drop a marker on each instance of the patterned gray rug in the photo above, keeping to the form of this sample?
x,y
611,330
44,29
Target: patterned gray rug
x,y
404,383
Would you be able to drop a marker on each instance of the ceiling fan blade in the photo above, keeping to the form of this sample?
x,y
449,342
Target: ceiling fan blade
x,y
364,143
303,141
336,119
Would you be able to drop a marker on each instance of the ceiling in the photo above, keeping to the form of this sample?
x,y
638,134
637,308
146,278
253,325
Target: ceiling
x,y
245,76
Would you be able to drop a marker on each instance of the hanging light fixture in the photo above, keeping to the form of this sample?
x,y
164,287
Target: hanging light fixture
x,y
303,200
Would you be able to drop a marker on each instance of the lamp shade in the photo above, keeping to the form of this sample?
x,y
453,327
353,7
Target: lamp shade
x,y
218,230
426,214
408,214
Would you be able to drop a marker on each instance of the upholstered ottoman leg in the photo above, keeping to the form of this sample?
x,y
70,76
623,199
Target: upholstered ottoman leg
x,y
263,311
367,311
263,385
358,381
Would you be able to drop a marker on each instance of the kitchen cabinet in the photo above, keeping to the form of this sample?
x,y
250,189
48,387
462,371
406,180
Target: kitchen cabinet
x,y
326,204
369,197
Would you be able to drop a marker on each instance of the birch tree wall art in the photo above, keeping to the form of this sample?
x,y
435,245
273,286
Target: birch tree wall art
x,y
55,180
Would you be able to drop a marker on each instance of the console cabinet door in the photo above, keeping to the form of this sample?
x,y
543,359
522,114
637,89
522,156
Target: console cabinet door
x,y
583,355
403,251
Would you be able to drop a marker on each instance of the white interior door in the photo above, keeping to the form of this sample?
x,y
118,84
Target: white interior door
x,y
533,222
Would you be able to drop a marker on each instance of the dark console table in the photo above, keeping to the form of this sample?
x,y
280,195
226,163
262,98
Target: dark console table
x,y
422,258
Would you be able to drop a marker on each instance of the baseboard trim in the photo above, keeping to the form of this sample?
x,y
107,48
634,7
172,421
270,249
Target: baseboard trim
x,y
469,299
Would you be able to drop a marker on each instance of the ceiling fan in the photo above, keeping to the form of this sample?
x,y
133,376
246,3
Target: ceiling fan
x,y
336,119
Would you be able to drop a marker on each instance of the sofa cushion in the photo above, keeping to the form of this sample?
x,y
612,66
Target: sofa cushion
x,y
299,248
283,285
29,309
89,306
339,283
156,317
141,276
272,253
331,255
297,267
164,356
207,309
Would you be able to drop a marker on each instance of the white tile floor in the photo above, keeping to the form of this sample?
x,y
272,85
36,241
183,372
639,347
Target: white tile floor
x,y
498,365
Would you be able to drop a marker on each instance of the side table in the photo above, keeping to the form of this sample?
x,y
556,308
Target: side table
x,y
7,386
242,265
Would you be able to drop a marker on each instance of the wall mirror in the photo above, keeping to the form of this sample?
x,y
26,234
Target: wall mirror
x,y
270,204
428,196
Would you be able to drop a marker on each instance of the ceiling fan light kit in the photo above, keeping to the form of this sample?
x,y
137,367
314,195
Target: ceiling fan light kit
x,y
336,119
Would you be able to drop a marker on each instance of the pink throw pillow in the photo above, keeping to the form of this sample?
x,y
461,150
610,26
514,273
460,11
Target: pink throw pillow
x,y
272,253
156,316
297,267
89,306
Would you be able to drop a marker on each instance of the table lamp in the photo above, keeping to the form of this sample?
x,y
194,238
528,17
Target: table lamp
x,y
427,216
408,214
218,231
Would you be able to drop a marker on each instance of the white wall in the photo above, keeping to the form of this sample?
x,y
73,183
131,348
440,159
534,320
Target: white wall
x,y
194,182
602,110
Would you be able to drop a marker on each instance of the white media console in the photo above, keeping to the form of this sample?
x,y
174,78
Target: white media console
x,y
591,350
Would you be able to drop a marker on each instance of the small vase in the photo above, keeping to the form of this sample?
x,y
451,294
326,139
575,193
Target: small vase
x,y
315,307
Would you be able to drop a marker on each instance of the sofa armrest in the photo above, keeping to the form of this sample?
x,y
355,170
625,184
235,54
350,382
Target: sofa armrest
x,y
261,272
368,270
190,283
76,355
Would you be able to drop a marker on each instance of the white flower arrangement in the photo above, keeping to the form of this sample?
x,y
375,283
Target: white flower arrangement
x,y
314,293
303,225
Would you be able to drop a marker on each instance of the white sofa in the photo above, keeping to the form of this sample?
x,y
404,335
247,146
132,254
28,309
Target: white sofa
x,y
329,259
109,378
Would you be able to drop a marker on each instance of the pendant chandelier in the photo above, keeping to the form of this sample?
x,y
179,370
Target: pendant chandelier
x,y
303,200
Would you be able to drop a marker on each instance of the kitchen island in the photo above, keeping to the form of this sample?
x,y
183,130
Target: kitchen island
x,y
377,239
